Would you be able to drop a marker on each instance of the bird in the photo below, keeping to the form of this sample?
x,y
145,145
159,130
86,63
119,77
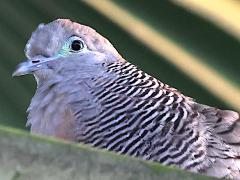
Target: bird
x,y
88,93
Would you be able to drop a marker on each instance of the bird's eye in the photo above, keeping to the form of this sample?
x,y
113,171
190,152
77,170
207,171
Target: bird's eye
x,y
77,45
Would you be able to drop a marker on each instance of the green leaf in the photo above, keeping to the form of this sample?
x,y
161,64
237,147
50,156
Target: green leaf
x,y
23,156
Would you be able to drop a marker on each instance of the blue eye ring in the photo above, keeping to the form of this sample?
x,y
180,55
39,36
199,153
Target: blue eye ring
x,y
74,44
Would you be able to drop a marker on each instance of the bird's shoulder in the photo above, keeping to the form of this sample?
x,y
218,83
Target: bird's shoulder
x,y
125,79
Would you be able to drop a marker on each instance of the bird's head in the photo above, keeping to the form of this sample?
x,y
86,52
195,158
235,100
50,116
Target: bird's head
x,y
63,44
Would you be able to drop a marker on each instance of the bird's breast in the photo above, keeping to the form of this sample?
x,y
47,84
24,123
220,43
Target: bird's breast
x,y
52,109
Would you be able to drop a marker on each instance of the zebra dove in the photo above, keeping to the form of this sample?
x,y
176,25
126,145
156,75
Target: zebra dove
x,y
86,92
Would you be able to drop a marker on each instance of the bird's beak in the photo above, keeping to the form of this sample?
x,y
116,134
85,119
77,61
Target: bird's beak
x,y
29,66
23,68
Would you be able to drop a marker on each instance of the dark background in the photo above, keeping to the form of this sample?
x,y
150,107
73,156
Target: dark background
x,y
19,18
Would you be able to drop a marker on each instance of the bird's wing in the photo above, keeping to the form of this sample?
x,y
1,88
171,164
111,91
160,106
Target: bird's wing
x,y
224,144
139,116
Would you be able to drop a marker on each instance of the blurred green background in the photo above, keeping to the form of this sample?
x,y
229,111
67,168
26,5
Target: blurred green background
x,y
197,34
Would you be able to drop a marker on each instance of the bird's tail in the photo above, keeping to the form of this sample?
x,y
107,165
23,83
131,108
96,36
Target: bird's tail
x,y
224,145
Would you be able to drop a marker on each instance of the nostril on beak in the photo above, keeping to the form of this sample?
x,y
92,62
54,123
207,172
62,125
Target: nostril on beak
x,y
35,61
